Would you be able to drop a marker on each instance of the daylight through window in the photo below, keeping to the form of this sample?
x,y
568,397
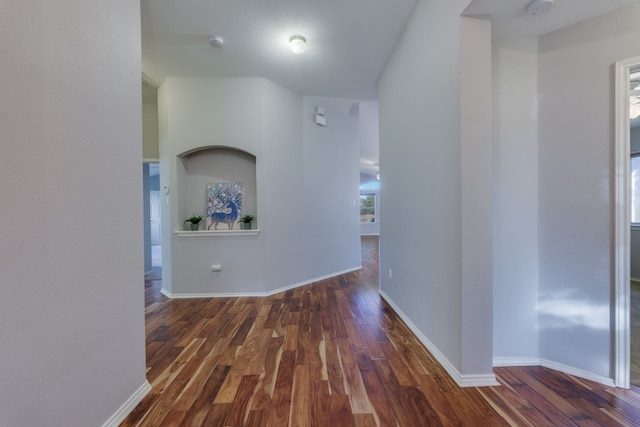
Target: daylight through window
x,y
367,208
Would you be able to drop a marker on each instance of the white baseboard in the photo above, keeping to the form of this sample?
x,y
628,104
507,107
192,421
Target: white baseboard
x,y
488,380
500,362
577,372
462,380
128,406
256,294
532,361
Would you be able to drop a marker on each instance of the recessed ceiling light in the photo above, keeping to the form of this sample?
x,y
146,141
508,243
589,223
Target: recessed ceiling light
x,y
298,44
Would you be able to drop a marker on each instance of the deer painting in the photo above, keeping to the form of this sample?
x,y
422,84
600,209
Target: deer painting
x,y
228,216
224,202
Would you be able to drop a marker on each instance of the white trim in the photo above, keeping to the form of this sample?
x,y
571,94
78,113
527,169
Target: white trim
x,y
216,233
256,294
515,361
461,380
621,307
532,361
128,406
577,372
488,380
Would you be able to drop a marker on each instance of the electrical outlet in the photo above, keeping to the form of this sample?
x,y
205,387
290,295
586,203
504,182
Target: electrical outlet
x,y
390,274
216,267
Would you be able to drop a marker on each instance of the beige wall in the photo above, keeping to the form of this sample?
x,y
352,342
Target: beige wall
x,y
150,149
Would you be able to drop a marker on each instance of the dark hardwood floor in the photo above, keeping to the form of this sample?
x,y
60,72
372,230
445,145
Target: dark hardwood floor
x,y
333,353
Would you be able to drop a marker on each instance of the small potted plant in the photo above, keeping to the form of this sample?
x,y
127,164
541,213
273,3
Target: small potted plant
x,y
195,221
246,221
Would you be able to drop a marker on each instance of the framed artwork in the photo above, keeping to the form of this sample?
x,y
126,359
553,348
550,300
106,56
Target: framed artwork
x,y
224,204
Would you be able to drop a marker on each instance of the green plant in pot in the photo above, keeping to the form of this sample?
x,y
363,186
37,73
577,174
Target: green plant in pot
x,y
246,221
195,221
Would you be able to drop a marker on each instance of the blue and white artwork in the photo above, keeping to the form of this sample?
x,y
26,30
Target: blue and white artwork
x,y
224,204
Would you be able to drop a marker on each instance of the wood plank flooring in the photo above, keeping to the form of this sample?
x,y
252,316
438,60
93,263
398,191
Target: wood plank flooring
x,y
333,353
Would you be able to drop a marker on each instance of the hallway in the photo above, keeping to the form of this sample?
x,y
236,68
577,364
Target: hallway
x,y
332,353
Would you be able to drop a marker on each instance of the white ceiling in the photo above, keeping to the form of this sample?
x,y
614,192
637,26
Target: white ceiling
x,y
509,17
349,41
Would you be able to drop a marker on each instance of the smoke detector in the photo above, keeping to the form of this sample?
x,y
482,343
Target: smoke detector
x,y
538,7
216,41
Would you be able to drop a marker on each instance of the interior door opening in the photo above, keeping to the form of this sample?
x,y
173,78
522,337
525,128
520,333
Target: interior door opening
x,y
622,222
152,222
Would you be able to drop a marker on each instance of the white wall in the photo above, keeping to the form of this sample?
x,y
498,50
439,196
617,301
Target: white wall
x,y
369,133
420,153
332,188
71,258
166,185
575,187
306,176
197,113
515,211
476,173
278,166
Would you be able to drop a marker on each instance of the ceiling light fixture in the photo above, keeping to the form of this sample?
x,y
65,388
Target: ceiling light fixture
x,y
298,44
216,41
538,7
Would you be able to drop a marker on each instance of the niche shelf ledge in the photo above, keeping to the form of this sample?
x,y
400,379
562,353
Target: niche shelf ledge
x,y
216,233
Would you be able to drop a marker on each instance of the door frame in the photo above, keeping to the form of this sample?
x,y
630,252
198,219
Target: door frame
x,y
622,223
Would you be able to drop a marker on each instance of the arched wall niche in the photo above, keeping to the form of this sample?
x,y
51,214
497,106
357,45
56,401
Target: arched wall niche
x,y
210,165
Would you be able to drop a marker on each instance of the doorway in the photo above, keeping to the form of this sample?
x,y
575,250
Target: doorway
x,y
634,248
152,221
622,222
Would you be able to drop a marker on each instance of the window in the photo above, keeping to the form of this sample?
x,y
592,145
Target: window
x,y
368,207
635,189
